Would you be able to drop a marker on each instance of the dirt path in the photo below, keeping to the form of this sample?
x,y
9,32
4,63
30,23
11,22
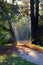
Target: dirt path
x,y
26,53
30,55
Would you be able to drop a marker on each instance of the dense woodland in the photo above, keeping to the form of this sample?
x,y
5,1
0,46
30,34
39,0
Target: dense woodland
x,y
15,23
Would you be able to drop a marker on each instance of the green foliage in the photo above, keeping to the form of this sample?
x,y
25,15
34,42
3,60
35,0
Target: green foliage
x,y
2,37
2,41
13,59
40,23
5,9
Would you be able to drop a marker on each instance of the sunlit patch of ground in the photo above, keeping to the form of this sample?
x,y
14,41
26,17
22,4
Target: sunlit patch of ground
x,y
34,47
27,44
30,45
13,59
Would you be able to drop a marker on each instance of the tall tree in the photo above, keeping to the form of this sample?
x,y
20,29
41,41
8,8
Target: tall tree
x,y
34,20
5,9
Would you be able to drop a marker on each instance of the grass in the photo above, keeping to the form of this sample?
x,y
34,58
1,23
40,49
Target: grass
x,y
13,59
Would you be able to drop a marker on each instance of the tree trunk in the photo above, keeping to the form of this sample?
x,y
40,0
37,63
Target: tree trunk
x,y
11,31
32,18
34,21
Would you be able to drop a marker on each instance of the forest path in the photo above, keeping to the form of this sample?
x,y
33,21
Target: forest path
x,y
29,54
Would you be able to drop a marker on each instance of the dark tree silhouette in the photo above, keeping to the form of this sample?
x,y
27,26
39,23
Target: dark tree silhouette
x,y
34,20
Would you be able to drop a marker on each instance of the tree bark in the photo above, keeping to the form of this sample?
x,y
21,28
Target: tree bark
x,y
34,21
11,29
13,38
32,18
